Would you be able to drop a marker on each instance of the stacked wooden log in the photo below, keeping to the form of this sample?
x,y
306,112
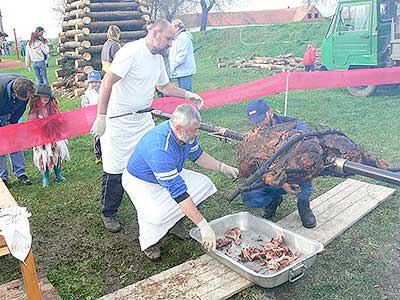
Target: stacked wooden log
x,y
84,31
284,62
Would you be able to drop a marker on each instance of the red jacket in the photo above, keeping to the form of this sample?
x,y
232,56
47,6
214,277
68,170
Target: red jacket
x,y
309,56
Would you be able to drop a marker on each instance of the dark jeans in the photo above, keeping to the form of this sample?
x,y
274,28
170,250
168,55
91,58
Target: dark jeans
x,y
309,68
262,197
97,147
111,194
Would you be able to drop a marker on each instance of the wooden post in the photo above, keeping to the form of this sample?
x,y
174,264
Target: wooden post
x,y
16,44
30,277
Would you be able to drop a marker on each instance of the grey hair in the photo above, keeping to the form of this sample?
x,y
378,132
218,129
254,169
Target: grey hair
x,y
185,115
178,24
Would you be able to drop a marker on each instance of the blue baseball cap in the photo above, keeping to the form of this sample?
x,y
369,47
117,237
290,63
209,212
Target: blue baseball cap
x,y
256,110
94,75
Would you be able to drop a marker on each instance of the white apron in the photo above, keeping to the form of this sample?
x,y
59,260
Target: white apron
x,y
156,210
120,139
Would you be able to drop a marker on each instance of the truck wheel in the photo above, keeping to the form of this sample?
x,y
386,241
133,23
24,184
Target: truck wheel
x,y
361,91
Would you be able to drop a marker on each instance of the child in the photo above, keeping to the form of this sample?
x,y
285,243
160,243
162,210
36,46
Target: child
x,y
309,58
47,157
90,97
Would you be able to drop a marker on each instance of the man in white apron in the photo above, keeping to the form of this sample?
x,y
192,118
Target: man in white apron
x,y
128,87
161,190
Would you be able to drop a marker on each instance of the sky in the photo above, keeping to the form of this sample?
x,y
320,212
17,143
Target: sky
x,y
26,15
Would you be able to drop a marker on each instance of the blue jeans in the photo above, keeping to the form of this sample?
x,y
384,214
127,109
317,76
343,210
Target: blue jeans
x,y
185,82
17,163
263,197
40,71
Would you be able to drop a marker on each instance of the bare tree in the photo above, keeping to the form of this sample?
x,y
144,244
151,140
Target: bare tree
x,y
171,8
155,6
207,5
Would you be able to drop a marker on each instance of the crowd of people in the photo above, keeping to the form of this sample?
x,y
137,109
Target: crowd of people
x,y
137,157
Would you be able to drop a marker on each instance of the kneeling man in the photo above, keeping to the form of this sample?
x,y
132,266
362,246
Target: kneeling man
x,y
161,190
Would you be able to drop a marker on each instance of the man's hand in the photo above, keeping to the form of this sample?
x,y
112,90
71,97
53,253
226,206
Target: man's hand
x,y
195,98
99,126
292,189
29,69
229,171
207,235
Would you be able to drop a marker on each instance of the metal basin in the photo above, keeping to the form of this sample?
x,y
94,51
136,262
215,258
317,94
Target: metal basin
x,y
256,230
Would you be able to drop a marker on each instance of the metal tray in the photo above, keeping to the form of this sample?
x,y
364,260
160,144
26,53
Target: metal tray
x,y
256,230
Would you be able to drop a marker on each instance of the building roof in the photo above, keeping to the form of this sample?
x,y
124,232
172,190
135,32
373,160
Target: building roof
x,y
275,16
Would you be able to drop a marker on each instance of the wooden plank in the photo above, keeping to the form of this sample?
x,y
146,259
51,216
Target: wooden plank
x,y
206,279
14,290
6,199
3,247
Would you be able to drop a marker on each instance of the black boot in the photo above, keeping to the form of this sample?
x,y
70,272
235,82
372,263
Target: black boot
x,y
180,231
269,211
306,215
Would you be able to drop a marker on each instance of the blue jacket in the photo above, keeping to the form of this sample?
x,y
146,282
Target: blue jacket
x,y
11,108
282,119
181,55
159,158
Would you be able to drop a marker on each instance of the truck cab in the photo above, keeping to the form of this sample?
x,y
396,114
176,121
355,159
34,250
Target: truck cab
x,y
361,35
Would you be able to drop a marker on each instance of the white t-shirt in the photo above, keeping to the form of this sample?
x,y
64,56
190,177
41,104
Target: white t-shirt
x,y
140,71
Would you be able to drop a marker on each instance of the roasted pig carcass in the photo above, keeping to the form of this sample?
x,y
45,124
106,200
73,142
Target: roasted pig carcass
x,y
306,159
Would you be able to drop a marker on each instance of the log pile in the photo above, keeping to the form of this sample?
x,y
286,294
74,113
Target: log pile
x,y
84,31
284,62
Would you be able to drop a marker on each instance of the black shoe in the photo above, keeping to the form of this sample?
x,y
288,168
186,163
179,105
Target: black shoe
x,y
306,215
111,224
270,210
24,180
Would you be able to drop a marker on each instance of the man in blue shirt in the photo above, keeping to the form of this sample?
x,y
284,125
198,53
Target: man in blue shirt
x,y
15,91
260,113
161,190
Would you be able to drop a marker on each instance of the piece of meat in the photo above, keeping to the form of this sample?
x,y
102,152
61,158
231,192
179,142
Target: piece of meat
x,y
223,242
234,234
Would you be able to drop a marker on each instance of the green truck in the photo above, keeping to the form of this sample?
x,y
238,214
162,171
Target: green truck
x,y
363,34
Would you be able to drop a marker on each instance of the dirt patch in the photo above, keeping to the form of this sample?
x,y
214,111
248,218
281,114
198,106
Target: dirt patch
x,y
6,64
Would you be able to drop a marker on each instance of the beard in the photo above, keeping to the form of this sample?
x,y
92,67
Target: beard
x,y
188,140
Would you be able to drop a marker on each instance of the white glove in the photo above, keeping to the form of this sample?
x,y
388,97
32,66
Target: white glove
x,y
195,98
29,69
207,235
229,171
99,126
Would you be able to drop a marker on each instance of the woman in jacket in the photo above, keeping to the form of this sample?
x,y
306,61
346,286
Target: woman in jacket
x,y
36,52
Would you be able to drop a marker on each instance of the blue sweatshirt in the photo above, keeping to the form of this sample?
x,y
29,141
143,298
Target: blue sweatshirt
x,y
159,158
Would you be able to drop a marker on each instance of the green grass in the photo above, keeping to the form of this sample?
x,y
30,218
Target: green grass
x,y
83,261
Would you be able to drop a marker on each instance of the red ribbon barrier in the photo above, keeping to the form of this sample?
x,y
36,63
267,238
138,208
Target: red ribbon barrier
x,y
78,122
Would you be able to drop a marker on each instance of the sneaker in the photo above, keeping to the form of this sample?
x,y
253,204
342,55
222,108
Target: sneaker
x,y
180,231
153,252
98,160
111,224
24,180
270,210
